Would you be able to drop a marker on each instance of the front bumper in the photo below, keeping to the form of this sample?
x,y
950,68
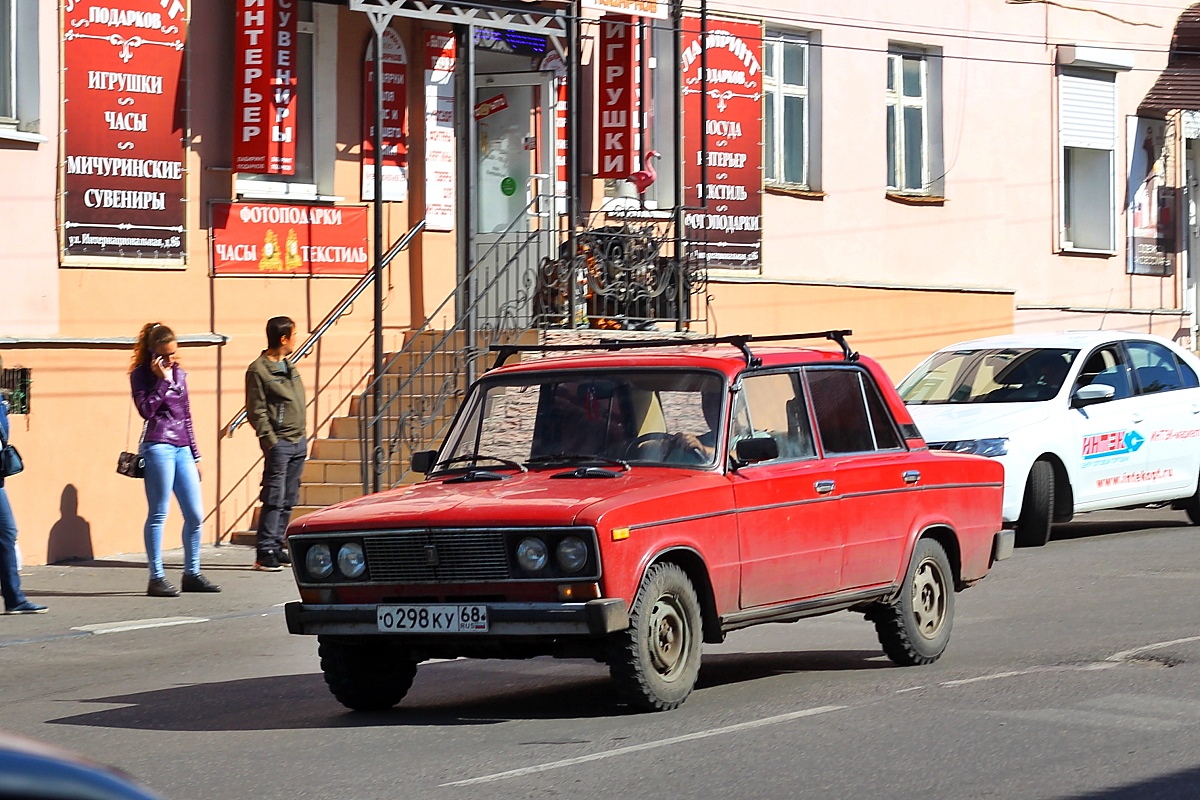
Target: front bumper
x,y
539,620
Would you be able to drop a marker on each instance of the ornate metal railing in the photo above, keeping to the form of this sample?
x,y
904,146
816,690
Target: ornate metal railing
x,y
624,274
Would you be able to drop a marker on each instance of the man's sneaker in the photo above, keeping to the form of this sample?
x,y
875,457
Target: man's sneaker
x,y
198,583
26,608
268,562
161,587
284,557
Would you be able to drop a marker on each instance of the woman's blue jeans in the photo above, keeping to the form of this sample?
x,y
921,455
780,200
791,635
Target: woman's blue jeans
x,y
172,469
10,579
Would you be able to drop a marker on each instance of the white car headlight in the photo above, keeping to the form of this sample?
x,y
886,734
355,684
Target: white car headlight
x,y
572,554
318,561
532,554
979,447
351,560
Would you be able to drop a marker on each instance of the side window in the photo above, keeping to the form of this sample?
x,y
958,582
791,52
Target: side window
x,y
882,425
1188,375
839,405
1106,367
776,408
1154,366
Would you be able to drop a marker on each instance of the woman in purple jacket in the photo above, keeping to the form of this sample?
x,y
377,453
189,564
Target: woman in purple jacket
x,y
160,393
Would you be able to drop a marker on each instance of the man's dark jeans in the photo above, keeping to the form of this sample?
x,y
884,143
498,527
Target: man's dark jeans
x,y
282,465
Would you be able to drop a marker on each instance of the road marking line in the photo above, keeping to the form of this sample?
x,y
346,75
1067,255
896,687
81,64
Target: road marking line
x,y
1125,655
138,624
1031,671
637,748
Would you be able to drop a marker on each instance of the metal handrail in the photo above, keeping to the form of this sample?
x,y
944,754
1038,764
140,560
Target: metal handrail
x,y
339,311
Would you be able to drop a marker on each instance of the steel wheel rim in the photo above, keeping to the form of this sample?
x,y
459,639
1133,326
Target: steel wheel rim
x,y
669,637
929,598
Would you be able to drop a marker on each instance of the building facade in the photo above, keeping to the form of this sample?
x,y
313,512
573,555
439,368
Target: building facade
x,y
921,173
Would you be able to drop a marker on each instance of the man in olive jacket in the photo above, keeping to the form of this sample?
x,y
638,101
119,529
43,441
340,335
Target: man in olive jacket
x,y
275,407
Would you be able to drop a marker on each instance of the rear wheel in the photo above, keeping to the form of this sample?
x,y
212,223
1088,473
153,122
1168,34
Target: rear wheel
x,y
366,675
655,662
914,629
1037,508
1192,506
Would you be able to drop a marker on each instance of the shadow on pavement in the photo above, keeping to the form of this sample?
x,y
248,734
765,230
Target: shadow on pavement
x,y
1084,528
1180,785
444,694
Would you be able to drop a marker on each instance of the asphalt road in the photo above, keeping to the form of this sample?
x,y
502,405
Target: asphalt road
x,y
1073,672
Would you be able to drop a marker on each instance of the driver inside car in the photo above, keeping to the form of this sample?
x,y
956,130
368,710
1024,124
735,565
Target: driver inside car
x,y
698,448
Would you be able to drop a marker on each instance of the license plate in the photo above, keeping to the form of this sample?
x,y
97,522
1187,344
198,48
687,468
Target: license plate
x,y
432,619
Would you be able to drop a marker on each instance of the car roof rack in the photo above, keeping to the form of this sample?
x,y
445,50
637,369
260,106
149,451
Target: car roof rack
x,y
741,341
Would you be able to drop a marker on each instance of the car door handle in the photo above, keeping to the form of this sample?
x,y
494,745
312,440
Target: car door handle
x,y
912,475
1137,418
823,487
1196,408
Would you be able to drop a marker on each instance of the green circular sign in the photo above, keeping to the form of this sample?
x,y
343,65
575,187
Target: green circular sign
x,y
508,186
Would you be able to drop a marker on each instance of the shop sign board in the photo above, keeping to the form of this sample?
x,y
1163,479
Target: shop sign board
x,y
268,239
395,120
618,97
553,62
723,216
123,126
264,84
634,8
1153,202
440,143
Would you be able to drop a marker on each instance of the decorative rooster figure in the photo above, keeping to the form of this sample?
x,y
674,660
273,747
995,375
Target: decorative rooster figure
x,y
644,177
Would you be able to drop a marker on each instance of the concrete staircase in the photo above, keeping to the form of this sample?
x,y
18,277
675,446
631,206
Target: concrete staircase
x,y
333,472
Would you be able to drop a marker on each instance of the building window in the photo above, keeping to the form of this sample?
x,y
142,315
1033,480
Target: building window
x,y
908,123
19,99
1087,129
315,108
786,109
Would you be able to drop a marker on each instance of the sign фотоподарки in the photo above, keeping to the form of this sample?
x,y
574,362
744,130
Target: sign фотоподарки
x,y
275,239
123,175
264,82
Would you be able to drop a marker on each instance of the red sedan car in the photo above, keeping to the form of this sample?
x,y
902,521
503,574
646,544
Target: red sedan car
x,y
631,503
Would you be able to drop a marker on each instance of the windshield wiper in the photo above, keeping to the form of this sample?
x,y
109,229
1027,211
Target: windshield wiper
x,y
558,459
475,459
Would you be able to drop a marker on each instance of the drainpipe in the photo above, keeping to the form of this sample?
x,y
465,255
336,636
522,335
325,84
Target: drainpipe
x,y
379,23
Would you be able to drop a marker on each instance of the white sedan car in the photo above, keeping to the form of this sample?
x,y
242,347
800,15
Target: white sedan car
x,y
1081,420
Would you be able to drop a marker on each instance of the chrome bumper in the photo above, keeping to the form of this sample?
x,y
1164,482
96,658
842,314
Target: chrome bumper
x,y
593,618
1002,544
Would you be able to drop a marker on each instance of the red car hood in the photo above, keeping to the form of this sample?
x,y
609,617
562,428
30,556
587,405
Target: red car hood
x,y
532,498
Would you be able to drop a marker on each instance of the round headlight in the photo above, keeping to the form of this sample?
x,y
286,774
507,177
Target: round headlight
x,y
571,553
532,554
351,560
318,561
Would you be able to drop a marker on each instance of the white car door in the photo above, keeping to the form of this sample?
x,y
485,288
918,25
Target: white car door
x,y
1170,420
1108,449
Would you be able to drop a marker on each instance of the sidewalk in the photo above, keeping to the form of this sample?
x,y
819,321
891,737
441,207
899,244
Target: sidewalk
x,y
100,596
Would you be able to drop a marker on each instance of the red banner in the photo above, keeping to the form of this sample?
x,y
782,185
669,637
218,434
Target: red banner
x,y
395,120
723,221
618,96
264,83
272,239
123,181
553,63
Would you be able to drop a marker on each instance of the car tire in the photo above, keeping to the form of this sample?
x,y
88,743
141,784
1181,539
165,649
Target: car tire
x,y
915,628
1192,506
1037,507
655,662
366,675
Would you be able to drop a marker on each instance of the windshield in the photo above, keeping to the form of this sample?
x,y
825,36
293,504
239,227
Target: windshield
x,y
605,417
1010,375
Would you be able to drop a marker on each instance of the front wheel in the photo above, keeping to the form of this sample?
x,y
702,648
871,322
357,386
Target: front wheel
x,y
1037,507
655,662
915,628
366,675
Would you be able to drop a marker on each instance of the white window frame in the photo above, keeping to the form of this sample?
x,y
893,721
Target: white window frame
x,y
322,95
8,54
1099,135
896,99
21,120
774,43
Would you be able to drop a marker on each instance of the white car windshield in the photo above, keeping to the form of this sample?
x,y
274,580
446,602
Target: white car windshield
x,y
1008,375
598,418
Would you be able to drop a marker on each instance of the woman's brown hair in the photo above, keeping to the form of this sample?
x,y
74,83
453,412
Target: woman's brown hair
x,y
152,336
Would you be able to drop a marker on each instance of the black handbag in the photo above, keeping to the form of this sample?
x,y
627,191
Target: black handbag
x,y
10,460
132,465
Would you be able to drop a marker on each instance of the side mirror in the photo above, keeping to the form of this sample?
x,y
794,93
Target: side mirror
x,y
756,449
1091,394
422,461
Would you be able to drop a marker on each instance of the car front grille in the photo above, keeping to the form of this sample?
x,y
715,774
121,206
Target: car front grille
x,y
437,556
